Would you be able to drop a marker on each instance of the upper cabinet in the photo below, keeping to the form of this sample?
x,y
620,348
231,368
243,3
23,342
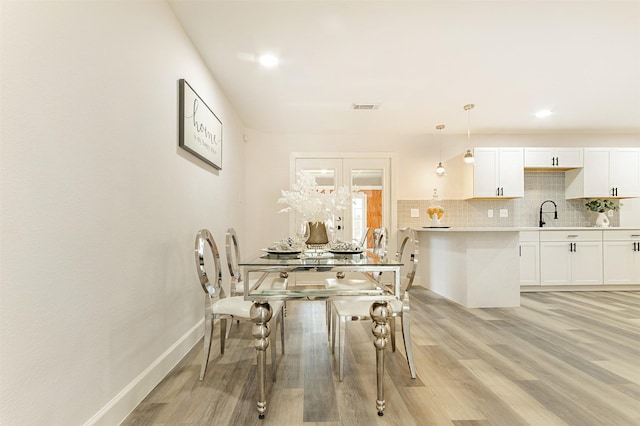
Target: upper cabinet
x,y
553,158
496,173
607,173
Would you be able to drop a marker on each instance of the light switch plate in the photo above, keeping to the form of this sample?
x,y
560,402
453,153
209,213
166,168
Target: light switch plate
x,y
490,213
504,212
415,212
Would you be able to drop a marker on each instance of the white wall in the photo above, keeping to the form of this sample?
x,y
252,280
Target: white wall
x,y
417,157
100,207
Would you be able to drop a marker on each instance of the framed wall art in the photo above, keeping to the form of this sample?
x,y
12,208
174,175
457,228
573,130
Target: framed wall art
x,y
200,130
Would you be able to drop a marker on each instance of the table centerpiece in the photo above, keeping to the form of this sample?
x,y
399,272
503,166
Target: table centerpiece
x,y
315,205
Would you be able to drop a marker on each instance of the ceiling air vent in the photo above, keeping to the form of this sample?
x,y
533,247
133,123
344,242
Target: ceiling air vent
x,y
366,106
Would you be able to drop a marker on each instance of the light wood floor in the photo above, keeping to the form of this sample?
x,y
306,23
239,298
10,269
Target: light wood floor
x,y
559,359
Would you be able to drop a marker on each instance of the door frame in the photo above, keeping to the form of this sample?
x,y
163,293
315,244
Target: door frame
x,y
392,224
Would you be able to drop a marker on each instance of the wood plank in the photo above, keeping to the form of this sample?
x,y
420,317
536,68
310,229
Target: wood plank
x,y
560,358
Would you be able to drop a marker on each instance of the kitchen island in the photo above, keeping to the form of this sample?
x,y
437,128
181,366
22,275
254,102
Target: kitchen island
x,y
474,267
481,267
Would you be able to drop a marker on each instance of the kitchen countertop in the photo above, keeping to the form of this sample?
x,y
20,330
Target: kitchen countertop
x,y
523,228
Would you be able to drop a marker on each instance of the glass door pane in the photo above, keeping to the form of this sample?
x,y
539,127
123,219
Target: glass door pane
x,y
368,178
328,175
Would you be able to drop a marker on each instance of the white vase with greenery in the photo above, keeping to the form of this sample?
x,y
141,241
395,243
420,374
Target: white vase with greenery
x,y
315,205
602,207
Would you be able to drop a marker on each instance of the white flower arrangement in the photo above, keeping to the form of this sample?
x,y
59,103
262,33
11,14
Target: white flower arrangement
x,y
312,204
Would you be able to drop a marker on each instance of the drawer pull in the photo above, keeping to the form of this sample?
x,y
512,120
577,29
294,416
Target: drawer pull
x,y
572,236
635,235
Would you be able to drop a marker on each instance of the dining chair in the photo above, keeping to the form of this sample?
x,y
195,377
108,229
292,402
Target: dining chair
x,y
363,240
217,306
380,239
362,282
232,246
354,310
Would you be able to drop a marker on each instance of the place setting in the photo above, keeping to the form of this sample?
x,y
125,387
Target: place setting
x,y
286,247
345,248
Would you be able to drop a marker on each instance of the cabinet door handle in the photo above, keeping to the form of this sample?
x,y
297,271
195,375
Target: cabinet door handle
x,y
520,249
501,191
575,247
498,192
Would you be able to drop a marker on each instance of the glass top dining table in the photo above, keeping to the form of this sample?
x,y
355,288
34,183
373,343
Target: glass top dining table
x,y
260,291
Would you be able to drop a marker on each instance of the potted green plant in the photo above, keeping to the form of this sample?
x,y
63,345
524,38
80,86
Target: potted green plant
x,y
601,207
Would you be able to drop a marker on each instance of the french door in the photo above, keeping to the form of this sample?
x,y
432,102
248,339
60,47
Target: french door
x,y
368,178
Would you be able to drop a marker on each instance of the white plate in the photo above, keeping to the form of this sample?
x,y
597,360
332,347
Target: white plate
x,y
345,251
283,251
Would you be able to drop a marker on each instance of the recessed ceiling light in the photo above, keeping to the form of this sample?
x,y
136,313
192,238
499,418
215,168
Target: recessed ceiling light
x,y
268,60
543,113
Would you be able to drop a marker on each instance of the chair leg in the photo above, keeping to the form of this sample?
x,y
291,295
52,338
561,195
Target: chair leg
x,y
227,330
208,334
282,318
334,324
223,334
342,336
327,304
406,337
392,327
274,352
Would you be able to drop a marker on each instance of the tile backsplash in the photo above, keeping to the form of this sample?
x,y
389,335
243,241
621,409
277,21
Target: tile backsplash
x,y
523,212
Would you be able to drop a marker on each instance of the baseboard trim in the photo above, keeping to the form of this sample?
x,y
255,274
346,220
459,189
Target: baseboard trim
x,y
608,287
130,397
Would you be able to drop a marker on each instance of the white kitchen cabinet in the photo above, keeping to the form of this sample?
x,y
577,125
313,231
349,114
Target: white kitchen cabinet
x,y
496,173
607,173
621,253
571,258
553,158
529,258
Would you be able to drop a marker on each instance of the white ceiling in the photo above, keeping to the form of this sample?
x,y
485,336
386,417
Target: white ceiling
x,y
423,61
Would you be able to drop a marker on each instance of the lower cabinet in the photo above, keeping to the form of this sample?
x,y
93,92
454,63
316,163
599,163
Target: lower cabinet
x,y
529,258
571,258
622,257
580,257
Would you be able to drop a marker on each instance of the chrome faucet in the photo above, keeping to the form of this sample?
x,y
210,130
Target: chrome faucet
x,y
555,211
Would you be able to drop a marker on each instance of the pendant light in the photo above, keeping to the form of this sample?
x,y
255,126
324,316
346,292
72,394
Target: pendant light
x,y
440,170
468,156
